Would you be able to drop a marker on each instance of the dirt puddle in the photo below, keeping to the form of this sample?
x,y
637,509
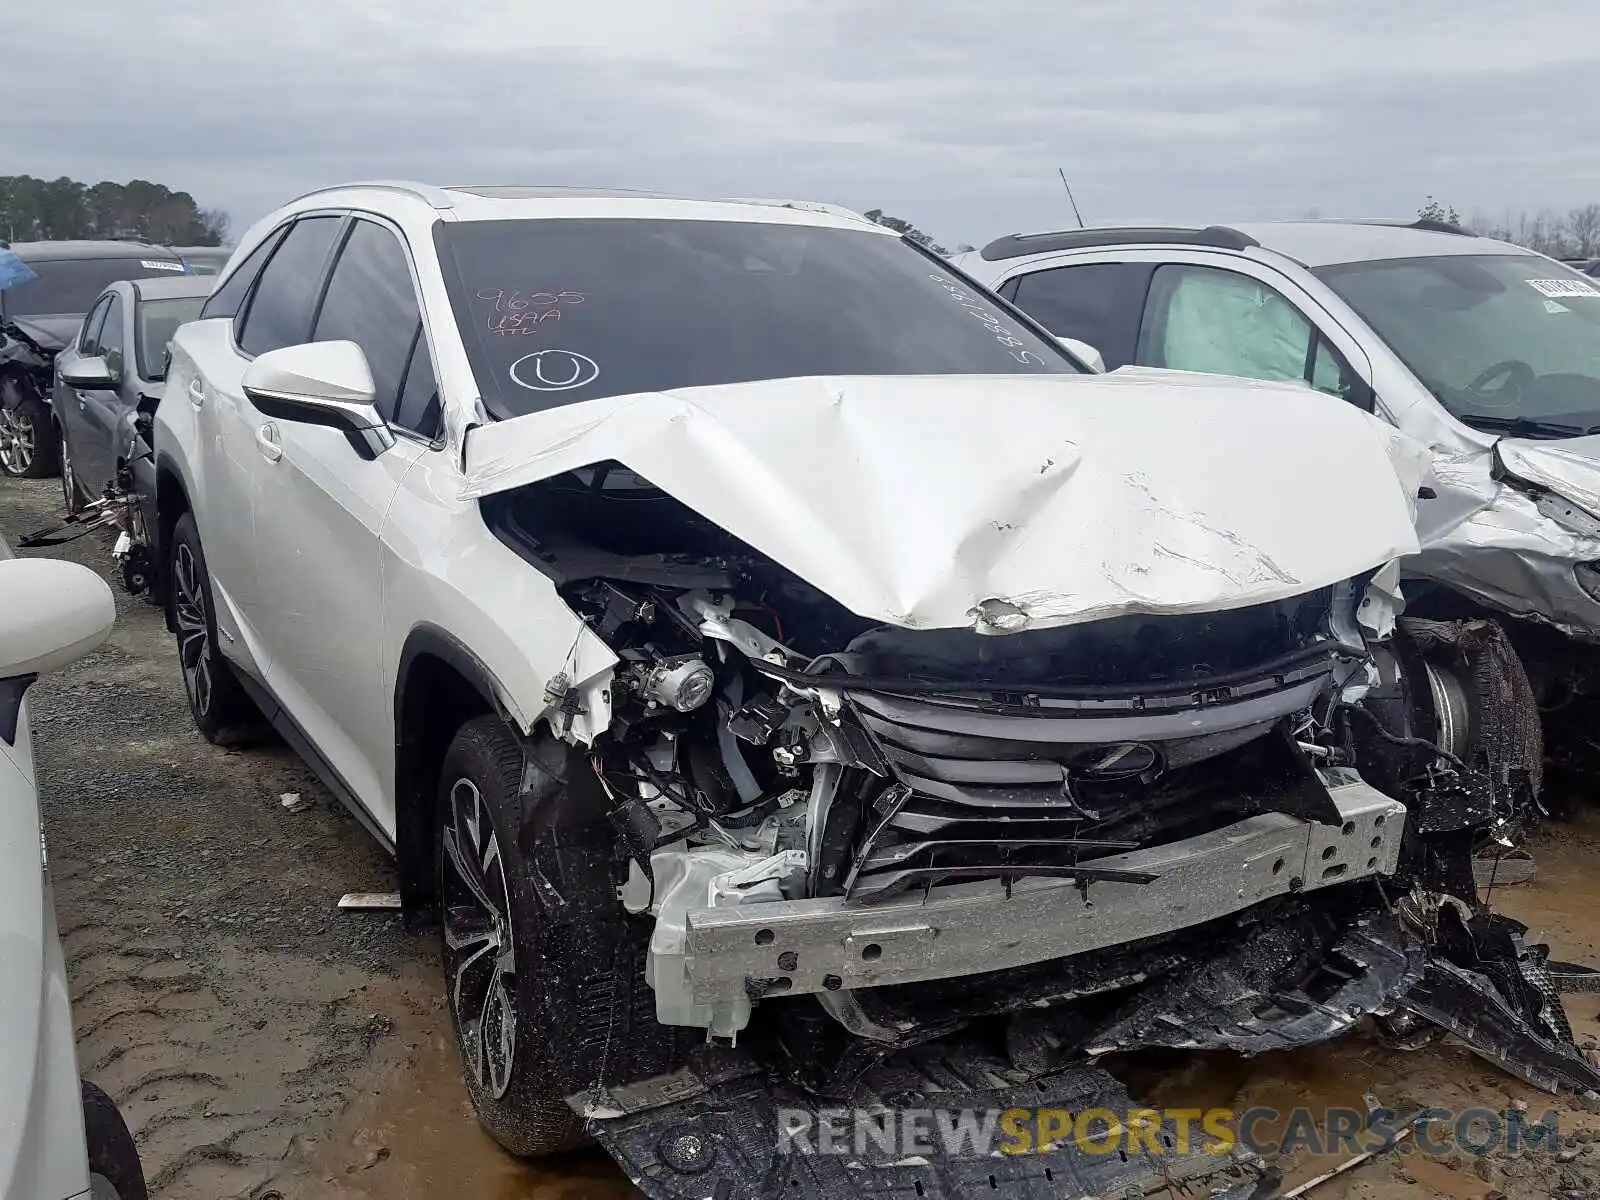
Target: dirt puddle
x,y
412,1135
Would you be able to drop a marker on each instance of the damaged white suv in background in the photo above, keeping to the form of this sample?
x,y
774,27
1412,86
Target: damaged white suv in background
x,y
796,684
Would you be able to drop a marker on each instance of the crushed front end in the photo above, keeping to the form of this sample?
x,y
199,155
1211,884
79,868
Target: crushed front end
x,y
897,870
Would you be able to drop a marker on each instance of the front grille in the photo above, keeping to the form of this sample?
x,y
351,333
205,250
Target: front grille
x,y
1007,787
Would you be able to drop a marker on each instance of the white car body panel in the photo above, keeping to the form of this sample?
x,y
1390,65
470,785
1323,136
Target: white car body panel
x,y
42,1150
1180,525
42,1155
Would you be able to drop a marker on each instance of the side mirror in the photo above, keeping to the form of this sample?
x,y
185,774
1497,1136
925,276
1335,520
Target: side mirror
x,y
88,374
55,613
1085,353
321,383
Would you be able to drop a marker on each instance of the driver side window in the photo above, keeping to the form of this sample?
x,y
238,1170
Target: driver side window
x,y
1224,323
89,339
112,347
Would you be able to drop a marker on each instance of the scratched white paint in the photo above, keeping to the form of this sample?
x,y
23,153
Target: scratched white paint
x,y
914,501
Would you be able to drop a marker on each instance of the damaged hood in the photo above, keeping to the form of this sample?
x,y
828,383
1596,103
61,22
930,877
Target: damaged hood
x,y
999,502
48,333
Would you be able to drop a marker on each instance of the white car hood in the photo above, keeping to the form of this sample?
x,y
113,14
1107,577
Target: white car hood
x,y
936,502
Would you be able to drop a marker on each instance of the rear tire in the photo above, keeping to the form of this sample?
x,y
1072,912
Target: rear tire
x,y
72,497
115,1172
29,447
223,714
544,969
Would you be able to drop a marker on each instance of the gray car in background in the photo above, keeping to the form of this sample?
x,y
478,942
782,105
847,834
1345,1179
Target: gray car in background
x,y
113,372
204,260
45,290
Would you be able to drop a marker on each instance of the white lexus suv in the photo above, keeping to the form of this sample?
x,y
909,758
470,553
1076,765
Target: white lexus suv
x,y
774,657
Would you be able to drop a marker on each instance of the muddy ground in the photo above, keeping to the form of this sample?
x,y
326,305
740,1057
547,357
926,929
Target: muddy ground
x,y
261,1042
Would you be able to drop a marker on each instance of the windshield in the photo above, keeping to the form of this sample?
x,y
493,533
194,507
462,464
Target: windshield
x,y
1505,341
68,286
158,321
557,311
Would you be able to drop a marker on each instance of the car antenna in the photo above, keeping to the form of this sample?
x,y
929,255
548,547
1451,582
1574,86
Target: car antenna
x,y
1062,172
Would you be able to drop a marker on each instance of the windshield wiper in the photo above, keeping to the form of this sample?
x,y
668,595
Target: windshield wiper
x,y
1526,426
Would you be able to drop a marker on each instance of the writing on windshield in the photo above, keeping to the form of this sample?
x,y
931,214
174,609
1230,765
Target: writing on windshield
x,y
558,311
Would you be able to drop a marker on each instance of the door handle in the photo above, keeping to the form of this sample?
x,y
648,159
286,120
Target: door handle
x,y
267,442
197,393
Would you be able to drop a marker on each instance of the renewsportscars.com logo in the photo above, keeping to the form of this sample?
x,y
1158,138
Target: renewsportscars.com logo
x,y
958,1133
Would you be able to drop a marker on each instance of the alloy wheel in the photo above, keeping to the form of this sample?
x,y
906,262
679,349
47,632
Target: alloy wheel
x,y
480,947
194,634
69,488
18,441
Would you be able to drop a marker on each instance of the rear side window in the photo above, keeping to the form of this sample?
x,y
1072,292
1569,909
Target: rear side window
x,y
371,301
225,301
1097,303
280,307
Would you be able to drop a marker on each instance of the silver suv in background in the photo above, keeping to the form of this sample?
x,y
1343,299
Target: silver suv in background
x,y
1484,351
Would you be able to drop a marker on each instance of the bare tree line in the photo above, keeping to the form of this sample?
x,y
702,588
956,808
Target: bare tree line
x,y
1574,234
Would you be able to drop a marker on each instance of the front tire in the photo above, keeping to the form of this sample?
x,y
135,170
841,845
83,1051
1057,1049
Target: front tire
x,y
72,497
544,969
115,1172
29,448
222,712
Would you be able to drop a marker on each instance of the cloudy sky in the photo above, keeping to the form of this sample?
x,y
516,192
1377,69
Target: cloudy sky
x,y
952,115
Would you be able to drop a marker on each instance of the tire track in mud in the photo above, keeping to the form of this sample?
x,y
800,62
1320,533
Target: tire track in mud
x,y
219,996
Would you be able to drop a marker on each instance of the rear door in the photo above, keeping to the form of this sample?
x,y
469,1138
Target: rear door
x,y
275,311
318,510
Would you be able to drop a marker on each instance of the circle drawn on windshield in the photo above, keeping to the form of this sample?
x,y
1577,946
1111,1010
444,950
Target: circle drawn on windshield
x,y
554,371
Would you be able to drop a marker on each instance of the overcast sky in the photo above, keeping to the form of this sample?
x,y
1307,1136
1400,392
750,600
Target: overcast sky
x,y
952,115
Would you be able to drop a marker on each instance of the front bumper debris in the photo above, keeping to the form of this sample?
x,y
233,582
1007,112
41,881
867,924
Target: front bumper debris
x,y
724,1130
727,1128
830,944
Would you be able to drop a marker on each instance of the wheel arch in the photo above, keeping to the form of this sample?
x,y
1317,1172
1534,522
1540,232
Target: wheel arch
x,y
440,685
172,501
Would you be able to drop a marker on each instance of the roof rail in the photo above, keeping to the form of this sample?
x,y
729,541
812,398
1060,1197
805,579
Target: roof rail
x,y
816,206
435,197
1425,224
1015,245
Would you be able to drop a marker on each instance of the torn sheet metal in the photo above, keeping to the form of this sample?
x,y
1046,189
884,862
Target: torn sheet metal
x,y
1515,542
1064,499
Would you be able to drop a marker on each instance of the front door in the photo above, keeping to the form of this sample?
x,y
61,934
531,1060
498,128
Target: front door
x,y
319,508
67,402
93,440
